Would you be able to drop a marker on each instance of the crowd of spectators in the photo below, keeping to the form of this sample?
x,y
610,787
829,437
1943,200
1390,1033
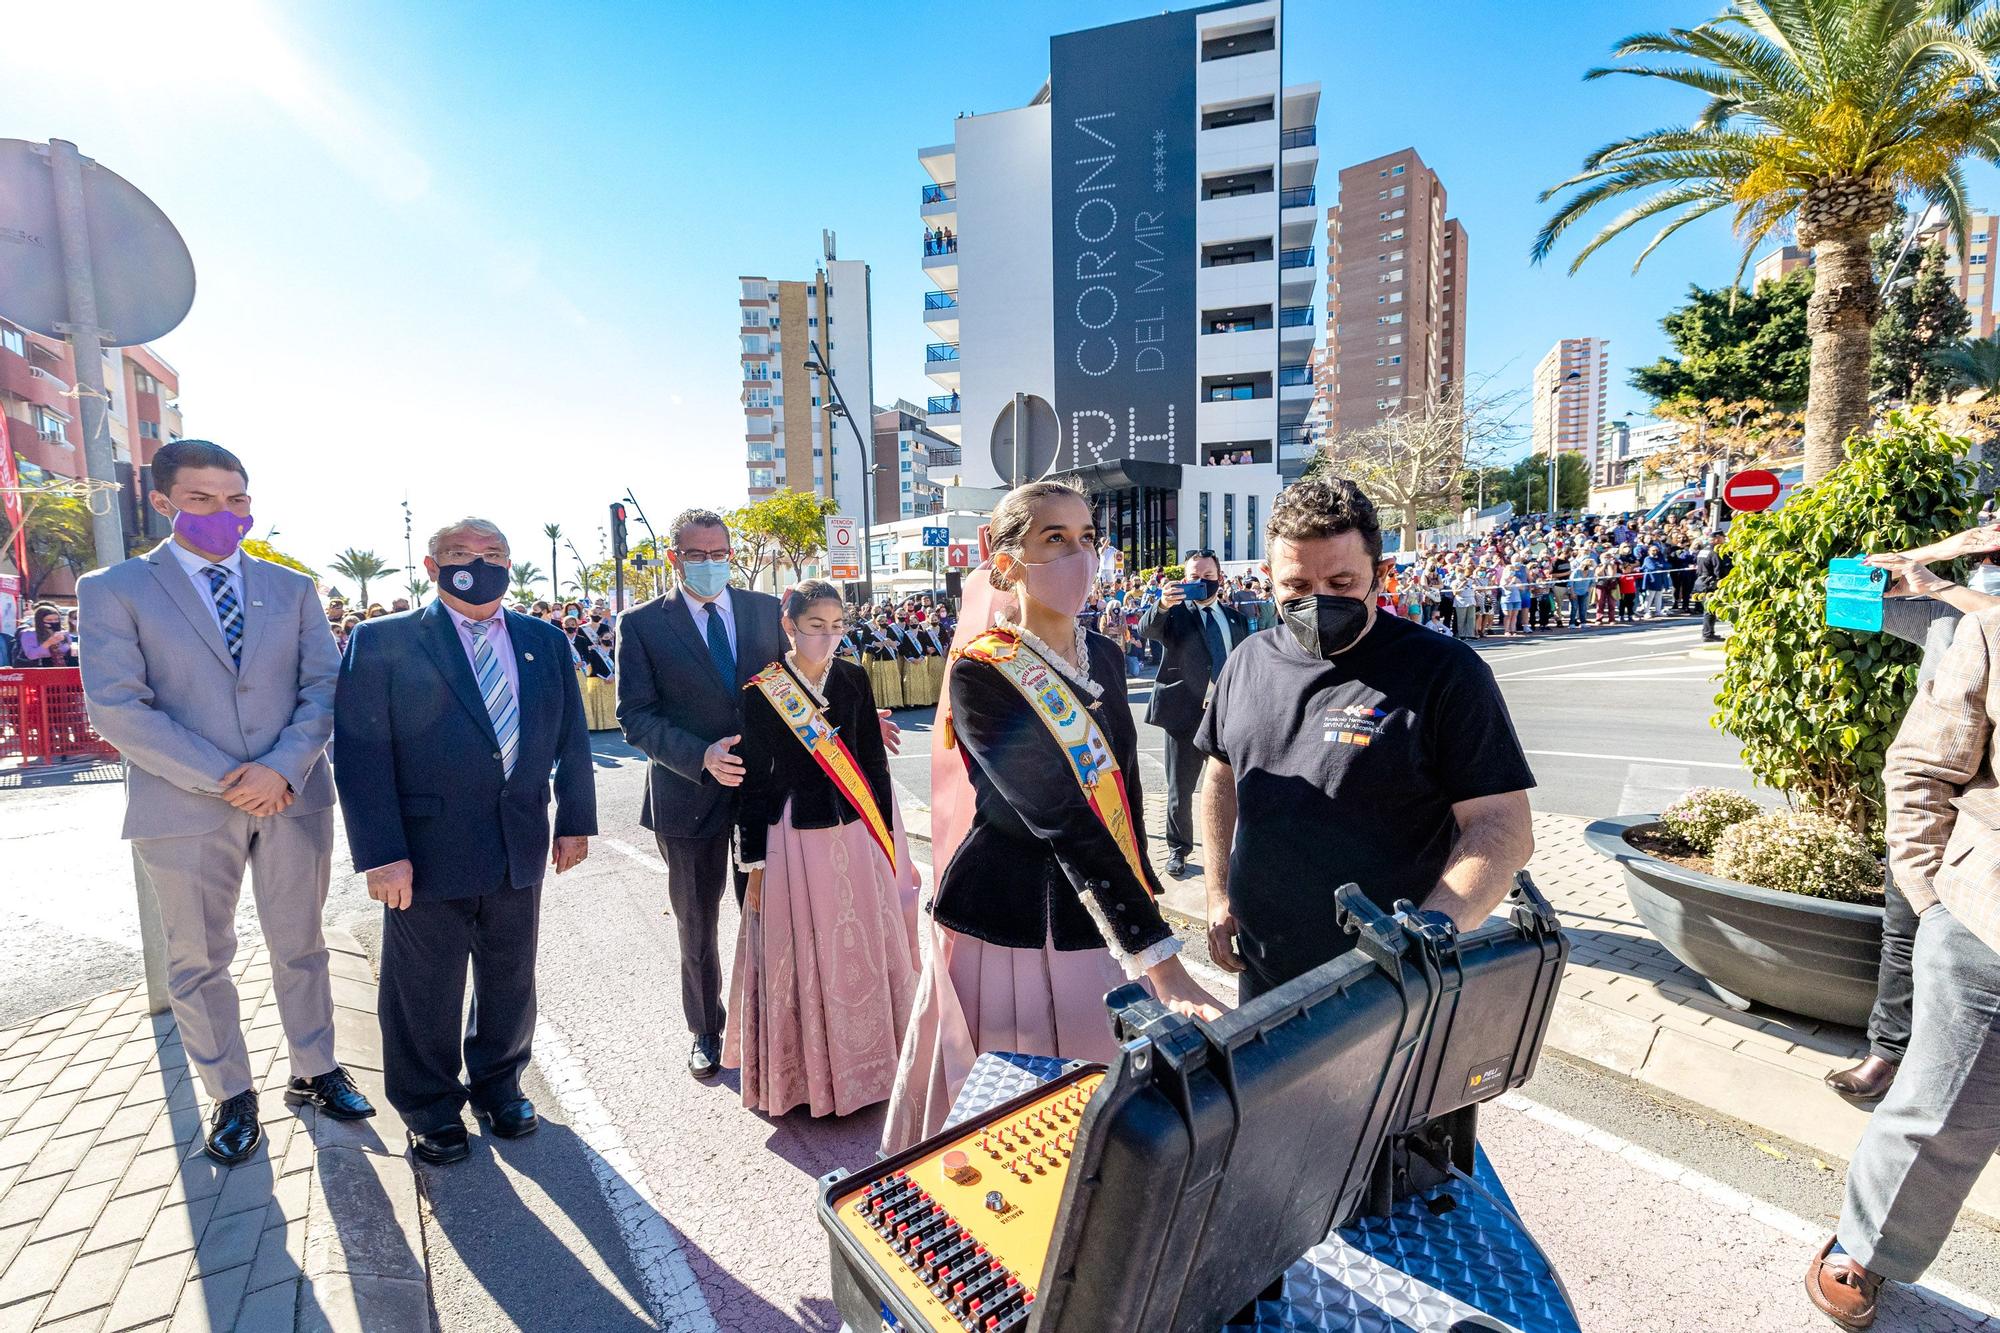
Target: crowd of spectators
x,y
1538,574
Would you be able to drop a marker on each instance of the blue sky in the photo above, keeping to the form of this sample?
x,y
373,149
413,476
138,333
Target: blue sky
x,y
486,254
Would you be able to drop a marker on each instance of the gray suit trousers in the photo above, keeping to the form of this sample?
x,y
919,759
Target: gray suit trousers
x,y
1940,1124
198,880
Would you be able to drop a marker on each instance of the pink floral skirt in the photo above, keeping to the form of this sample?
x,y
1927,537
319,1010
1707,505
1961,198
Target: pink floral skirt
x,y
977,997
825,973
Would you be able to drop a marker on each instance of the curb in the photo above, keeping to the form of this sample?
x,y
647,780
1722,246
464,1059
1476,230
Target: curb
x,y
365,1268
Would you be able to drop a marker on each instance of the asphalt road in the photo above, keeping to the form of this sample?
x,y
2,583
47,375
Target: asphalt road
x,y
650,1200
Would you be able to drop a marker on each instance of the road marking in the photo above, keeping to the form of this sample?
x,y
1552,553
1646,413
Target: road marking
x,y
1693,674
672,1289
1628,758
1734,1200
650,860
1602,661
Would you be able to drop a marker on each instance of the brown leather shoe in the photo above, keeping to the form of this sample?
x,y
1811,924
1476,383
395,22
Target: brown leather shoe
x,y
1841,1288
1866,1082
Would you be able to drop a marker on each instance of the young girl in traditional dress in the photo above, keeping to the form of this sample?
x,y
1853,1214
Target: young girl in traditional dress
x,y
826,957
1047,902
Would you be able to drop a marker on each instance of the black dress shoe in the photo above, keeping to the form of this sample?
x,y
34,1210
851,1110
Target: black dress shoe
x,y
441,1146
332,1092
1177,864
511,1120
1866,1082
705,1060
233,1130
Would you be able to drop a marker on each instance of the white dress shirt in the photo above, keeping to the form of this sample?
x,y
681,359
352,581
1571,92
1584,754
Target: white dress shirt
x,y
233,566
698,612
497,639
1213,610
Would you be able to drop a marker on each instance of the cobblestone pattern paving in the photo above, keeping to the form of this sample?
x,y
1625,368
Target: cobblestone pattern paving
x,y
113,1219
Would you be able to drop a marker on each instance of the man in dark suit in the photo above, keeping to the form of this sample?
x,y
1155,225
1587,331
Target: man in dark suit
x,y
448,724
683,660
1195,633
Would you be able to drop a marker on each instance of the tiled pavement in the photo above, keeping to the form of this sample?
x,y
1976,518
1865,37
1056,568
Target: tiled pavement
x,y
112,1218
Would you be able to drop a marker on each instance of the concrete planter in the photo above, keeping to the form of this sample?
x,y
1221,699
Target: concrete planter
x,y
1812,956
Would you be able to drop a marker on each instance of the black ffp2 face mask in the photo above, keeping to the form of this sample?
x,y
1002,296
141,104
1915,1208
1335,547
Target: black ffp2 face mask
x,y
1325,625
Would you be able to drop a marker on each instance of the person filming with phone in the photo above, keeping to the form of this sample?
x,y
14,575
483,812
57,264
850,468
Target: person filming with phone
x,y
1197,630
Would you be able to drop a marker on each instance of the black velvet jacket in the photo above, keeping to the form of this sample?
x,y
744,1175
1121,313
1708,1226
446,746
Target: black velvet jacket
x,y
777,769
1035,848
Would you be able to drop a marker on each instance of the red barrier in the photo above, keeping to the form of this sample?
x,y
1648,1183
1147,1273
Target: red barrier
x,y
42,718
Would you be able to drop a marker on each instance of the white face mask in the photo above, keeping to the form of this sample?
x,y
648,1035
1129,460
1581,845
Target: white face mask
x,y
1984,578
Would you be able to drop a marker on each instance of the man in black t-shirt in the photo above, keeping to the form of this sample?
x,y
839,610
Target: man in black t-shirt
x,y
1348,746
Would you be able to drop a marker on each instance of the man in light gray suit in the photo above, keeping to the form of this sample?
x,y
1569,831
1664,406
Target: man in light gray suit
x,y
213,673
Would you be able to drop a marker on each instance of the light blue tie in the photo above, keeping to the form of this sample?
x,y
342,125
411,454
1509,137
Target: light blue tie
x,y
499,698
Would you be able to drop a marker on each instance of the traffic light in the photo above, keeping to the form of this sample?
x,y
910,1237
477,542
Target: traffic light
x,y
617,531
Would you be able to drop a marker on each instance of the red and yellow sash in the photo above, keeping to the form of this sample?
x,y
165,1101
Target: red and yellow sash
x,y
823,743
1081,740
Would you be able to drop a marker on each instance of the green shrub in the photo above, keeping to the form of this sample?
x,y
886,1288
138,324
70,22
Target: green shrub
x,y
1794,851
1815,708
1704,813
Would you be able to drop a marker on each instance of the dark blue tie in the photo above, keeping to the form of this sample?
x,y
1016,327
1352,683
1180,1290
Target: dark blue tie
x,y
718,645
1218,646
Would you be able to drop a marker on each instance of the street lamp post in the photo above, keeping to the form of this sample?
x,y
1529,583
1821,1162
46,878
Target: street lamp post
x,y
818,364
659,560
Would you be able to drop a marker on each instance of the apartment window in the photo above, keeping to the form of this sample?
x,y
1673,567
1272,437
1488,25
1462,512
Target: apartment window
x,y
1223,117
1979,259
150,429
1396,193
1389,319
1228,527
1205,541
1397,172
1228,393
1393,275
48,423
906,466
1395,360
144,383
1250,532
13,341
812,321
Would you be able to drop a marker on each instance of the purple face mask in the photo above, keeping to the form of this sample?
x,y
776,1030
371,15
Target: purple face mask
x,y
217,534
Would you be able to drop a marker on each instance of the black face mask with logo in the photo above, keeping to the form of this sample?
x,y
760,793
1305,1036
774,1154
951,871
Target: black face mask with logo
x,y
477,582
1325,625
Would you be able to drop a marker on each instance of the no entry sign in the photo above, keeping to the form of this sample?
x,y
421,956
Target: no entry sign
x,y
1751,490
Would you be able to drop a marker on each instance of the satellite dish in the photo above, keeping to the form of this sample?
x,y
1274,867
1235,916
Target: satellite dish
x,y
1039,443
144,274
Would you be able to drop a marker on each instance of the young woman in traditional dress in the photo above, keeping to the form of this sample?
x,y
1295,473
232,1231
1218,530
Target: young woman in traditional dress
x,y
826,966
1047,902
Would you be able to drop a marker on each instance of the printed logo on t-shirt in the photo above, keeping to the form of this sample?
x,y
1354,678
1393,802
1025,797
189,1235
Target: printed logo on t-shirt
x,y
1354,724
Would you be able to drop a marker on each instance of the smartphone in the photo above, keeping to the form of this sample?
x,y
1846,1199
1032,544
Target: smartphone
x,y
1192,590
1854,592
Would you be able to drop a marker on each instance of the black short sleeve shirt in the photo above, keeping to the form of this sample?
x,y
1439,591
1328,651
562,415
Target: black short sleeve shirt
x,y
1346,770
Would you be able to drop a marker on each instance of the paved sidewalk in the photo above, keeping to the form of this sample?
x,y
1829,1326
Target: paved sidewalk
x,y
1628,1005
113,1219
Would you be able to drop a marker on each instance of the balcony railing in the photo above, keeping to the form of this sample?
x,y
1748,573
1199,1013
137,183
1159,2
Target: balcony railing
x,y
1298,196
940,300
938,194
936,244
1304,136
1296,258
1293,375
1295,317
943,402
941,352
936,455
1294,437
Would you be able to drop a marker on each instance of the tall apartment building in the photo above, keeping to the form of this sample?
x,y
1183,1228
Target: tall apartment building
x,y
794,438
912,463
1133,251
1971,269
45,425
1396,273
1779,263
1569,388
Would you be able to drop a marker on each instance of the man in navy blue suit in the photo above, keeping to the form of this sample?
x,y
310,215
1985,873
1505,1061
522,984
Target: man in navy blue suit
x,y
450,725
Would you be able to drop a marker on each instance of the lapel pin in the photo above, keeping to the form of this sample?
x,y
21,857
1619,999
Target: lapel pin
x,y
529,656
256,603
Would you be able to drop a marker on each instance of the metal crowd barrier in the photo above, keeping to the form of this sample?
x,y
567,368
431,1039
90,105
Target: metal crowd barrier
x,y
42,718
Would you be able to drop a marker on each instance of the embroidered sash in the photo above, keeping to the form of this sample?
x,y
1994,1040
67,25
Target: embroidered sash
x,y
1082,741
823,743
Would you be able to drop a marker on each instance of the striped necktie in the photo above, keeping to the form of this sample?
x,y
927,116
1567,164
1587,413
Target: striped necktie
x,y
227,610
493,689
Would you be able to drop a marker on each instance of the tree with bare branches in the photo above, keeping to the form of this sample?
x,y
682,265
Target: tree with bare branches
x,y
1413,462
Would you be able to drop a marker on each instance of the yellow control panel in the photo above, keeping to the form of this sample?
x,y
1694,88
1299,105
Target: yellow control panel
x,y
963,1229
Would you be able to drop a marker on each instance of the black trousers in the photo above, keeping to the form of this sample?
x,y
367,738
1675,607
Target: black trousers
x,y
425,949
696,871
1895,986
1183,769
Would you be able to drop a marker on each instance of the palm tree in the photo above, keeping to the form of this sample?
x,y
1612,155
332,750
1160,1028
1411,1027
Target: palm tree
x,y
1974,364
553,531
525,575
360,566
1821,116
419,588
